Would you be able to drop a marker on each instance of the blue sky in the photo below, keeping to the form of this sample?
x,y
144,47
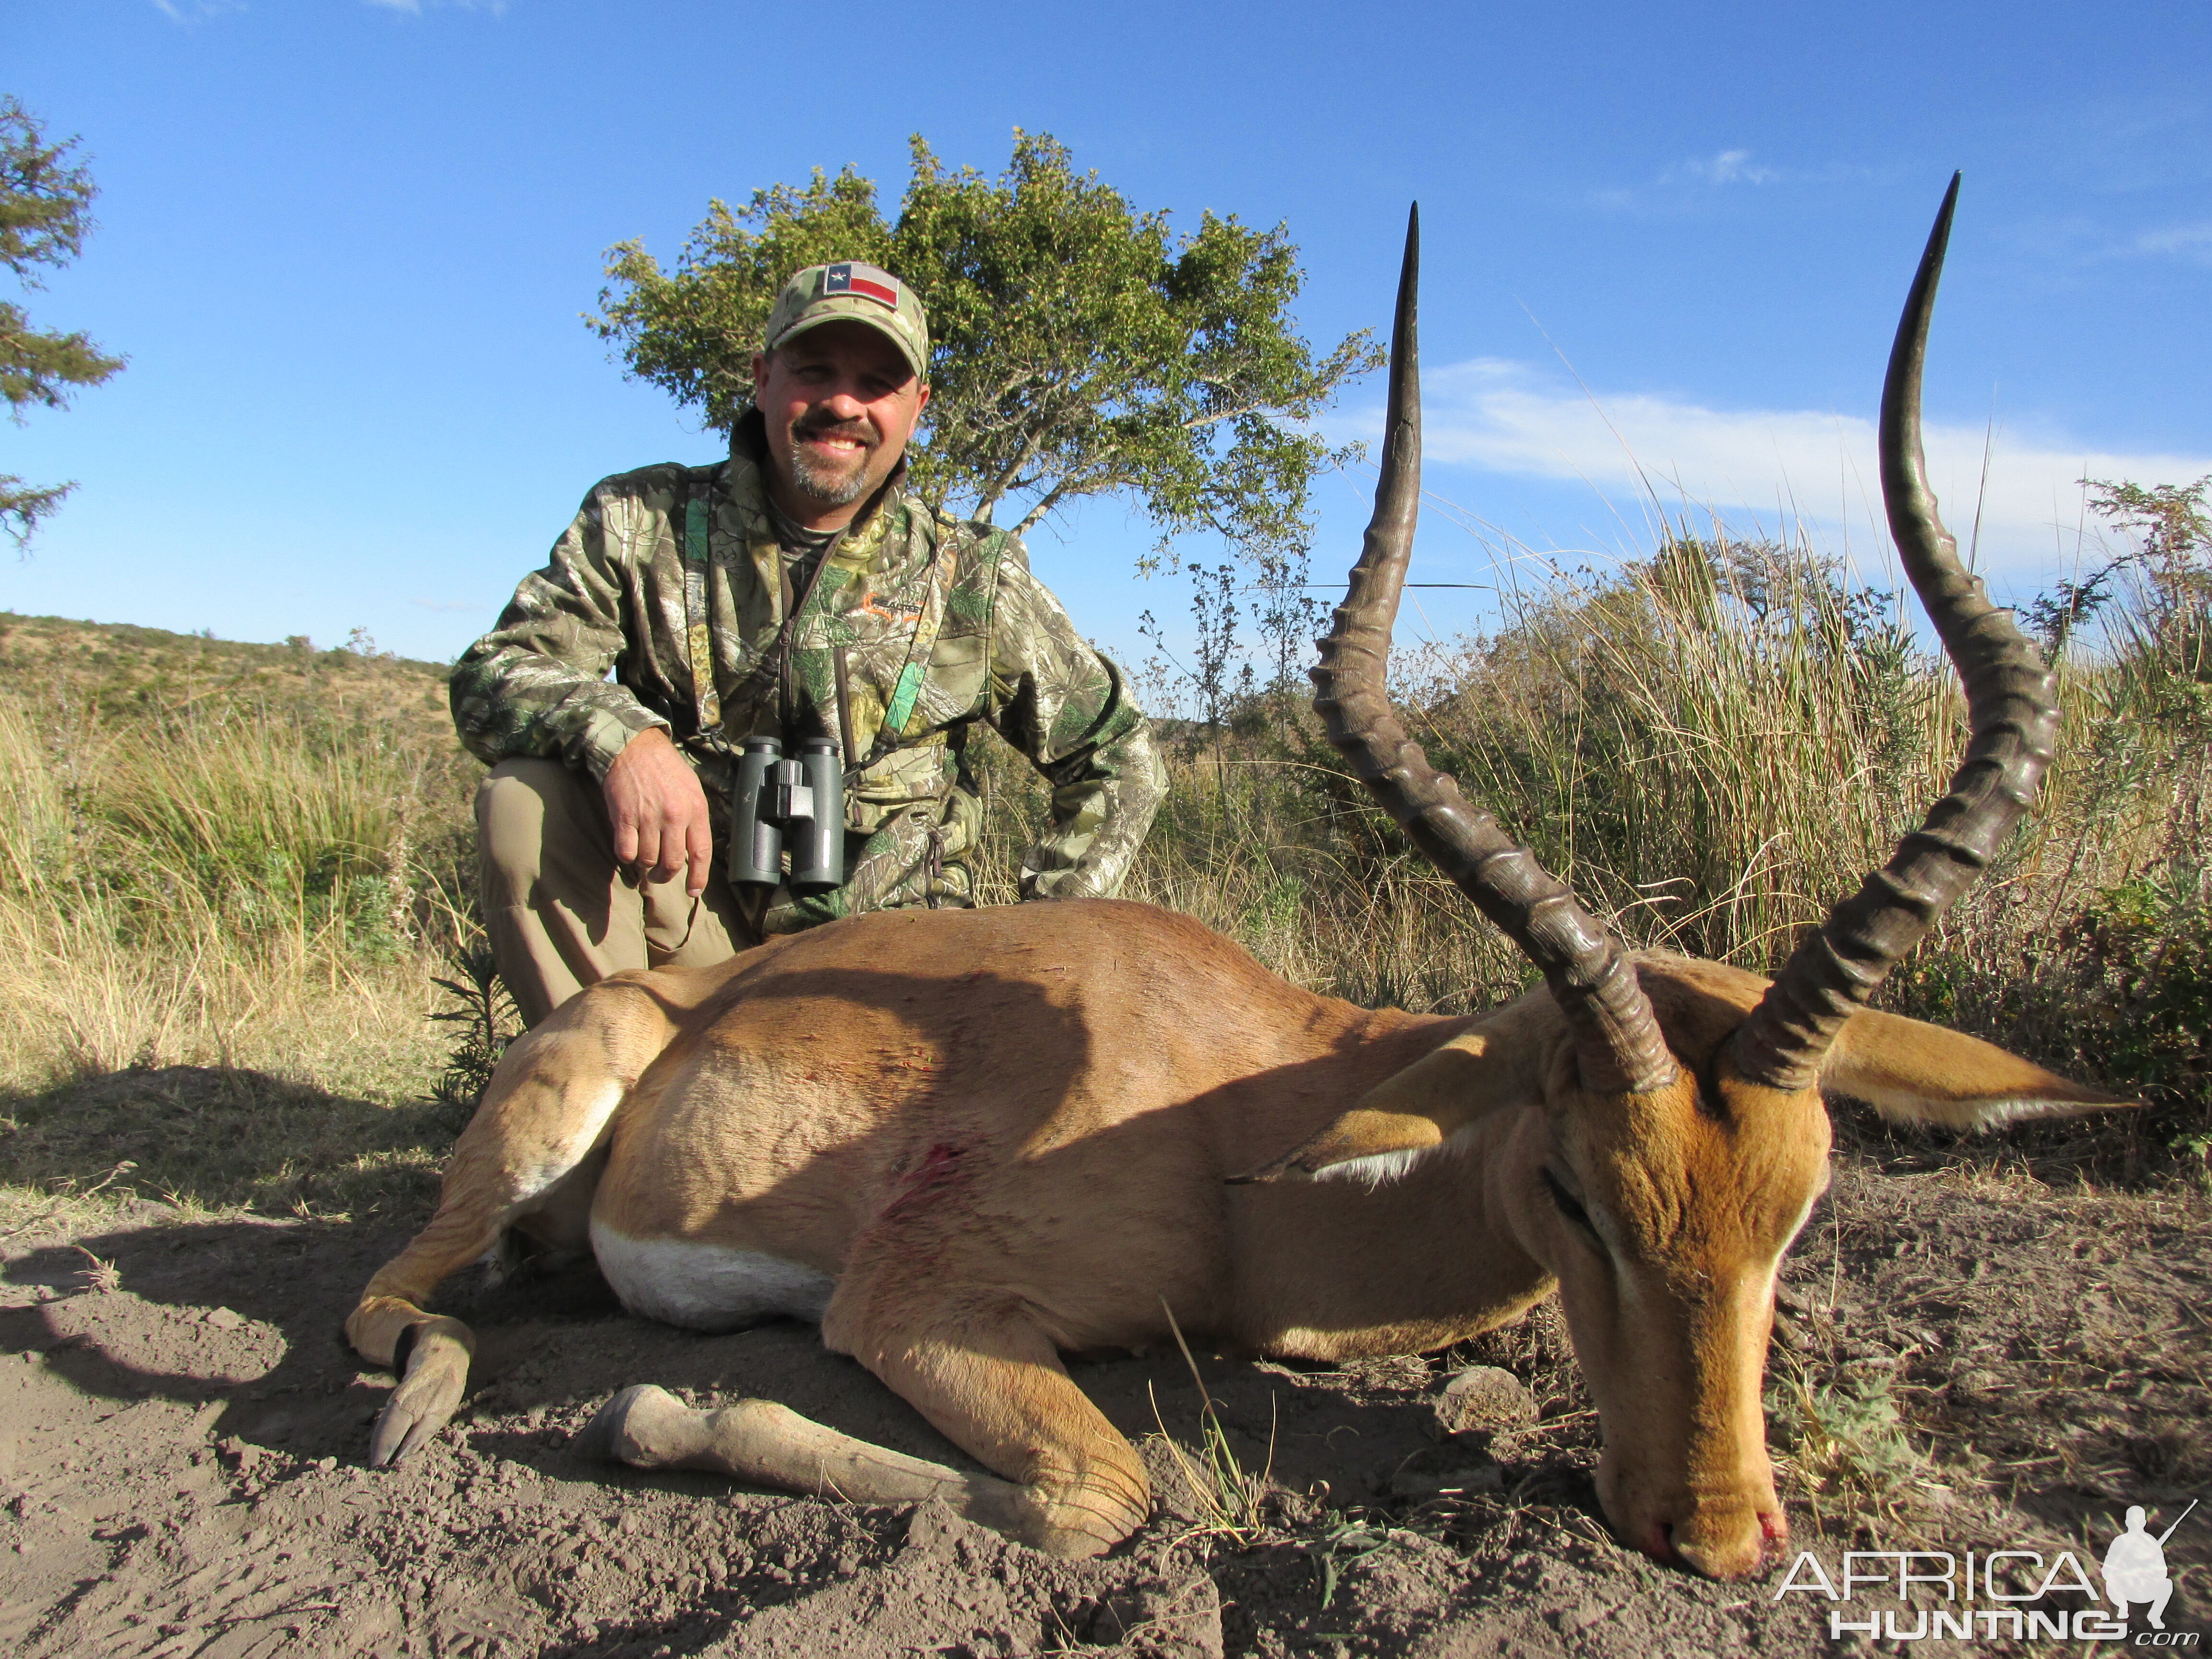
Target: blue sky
x,y
345,244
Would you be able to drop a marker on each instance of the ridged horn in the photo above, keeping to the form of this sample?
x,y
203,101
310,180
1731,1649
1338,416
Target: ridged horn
x,y
2011,718
1618,1044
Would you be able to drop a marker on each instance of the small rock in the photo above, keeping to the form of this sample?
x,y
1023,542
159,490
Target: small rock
x,y
1571,1621
243,1457
1483,1398
223,1319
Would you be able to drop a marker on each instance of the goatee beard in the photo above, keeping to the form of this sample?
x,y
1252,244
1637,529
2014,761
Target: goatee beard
x,y
818,484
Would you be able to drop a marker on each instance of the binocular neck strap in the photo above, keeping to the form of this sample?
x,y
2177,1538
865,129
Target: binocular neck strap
x,y
908,687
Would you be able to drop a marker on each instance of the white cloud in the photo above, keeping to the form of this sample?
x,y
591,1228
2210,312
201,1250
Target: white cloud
x,y
1770,469
414,8
1731,166
195,11
2192,242
1685,185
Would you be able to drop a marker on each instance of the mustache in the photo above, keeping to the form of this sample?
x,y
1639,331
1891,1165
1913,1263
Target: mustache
x,y
859,431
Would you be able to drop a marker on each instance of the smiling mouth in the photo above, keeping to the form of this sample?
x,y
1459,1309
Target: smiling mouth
x,y
834,441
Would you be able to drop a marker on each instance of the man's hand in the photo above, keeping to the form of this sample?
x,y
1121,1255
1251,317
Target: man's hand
x,y
658,812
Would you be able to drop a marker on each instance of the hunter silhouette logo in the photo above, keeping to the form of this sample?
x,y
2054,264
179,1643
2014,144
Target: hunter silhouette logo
x,y
2135,1567
1988,1596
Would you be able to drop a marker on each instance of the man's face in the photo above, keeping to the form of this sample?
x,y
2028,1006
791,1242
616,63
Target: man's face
x,y
840,404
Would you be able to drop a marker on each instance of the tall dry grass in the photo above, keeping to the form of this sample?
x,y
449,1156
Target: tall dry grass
x,y
1713,746
222,911
217,926
224,891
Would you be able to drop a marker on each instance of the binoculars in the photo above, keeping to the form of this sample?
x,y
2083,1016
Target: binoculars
x,y
797,805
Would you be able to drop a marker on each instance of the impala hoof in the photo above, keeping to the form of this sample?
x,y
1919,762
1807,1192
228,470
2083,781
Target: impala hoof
x,y
433,1378
421,1405
645,1427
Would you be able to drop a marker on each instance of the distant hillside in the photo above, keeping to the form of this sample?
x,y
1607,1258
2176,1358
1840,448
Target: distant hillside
x,y
116,668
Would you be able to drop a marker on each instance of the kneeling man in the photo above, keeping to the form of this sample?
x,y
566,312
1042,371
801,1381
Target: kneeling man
x,y
796,591
2135,1570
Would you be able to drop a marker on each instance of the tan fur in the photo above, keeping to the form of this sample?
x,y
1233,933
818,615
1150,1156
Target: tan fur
x,y
1009,1133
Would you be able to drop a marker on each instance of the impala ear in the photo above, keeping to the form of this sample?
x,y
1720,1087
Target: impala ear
x,y
1914,1072
1418,1110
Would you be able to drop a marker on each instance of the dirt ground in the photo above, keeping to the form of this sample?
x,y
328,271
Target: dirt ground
x,y
1969,1360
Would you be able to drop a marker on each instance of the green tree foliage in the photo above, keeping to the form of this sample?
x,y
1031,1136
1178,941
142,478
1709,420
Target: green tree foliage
x,y
2166,632
45,203
2169,555
1079,346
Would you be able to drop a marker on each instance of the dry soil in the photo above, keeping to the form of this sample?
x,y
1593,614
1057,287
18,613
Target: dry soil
x,y
1968,1360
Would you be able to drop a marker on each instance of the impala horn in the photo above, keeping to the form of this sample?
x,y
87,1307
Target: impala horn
x,y
2010,716
1618,1044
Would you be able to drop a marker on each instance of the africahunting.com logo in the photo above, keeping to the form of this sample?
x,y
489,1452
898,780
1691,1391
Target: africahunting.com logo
x,y
1999,1594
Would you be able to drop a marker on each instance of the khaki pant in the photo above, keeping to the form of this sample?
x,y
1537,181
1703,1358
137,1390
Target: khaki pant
x,y
560,914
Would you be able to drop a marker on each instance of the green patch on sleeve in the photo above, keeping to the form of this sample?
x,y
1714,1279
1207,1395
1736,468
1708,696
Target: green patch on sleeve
x,y
695,530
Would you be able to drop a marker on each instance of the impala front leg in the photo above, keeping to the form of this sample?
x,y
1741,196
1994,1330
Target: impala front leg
x,y
991,1382
766,1445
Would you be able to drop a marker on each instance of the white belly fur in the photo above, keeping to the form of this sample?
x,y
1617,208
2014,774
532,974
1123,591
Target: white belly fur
x,y
706,1287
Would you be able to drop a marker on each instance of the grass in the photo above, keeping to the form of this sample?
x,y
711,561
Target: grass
x,y
1347,1543
223,883
1227,1500
1712,747
1845,1448
235,881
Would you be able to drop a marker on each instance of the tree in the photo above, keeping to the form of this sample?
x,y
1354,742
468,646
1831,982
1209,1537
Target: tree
x,y
1078,347
2171,530
45,203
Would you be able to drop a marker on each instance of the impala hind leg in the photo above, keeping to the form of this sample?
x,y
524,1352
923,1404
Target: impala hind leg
x,y
530,1157
431,1353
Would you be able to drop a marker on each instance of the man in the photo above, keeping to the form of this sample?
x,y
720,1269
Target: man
x,y
795,590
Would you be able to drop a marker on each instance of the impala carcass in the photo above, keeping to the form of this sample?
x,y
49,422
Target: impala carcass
x,y
964,1141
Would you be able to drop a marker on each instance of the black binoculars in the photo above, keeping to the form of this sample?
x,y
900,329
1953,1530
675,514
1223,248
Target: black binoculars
x,y
795,804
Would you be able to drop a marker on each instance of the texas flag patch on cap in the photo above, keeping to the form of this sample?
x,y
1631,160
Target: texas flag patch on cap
x,y
840,279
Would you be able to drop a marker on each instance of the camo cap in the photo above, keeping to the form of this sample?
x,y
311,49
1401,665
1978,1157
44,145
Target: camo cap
x,y
854,292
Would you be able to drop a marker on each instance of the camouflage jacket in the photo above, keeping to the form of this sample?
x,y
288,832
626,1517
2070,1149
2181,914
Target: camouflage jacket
x,y
919,624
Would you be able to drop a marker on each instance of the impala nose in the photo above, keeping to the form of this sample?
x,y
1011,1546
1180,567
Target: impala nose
x,y
1733,1543
1720,1523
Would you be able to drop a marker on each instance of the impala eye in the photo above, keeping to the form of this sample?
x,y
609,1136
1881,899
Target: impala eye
x,y
1570,1206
